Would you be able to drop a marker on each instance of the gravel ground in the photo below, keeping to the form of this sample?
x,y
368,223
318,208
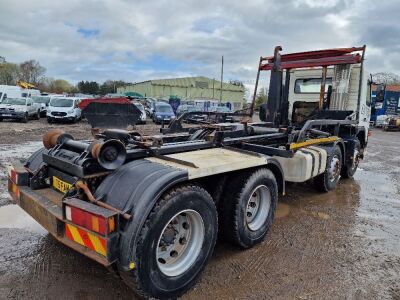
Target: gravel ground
x,y
341,245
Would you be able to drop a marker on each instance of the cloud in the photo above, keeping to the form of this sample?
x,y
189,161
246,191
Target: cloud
x,y
140,40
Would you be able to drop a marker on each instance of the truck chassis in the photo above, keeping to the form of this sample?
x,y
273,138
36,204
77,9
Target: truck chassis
x,y
151,206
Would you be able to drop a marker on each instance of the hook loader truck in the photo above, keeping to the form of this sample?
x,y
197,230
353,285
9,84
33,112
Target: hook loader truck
x,y
150,207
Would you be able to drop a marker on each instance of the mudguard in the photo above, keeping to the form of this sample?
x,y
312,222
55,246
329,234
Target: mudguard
x,y
36,159
329,148
135,188
277,170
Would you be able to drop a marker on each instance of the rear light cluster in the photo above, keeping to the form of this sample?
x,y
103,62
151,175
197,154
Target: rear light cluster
x,y
14,190
91,221
13,175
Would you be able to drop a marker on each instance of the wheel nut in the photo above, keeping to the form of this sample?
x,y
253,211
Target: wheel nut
x,y
182,241
185,225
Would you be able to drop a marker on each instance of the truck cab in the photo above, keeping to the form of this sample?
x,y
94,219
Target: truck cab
x,y
305,88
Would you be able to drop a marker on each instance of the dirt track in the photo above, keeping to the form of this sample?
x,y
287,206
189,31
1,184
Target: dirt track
x,y
344,244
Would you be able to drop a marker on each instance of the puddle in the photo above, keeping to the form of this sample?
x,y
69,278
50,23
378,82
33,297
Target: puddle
x,y
21,150
12,216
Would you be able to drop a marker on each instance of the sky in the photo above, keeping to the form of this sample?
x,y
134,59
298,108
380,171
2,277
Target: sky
x,y
140,40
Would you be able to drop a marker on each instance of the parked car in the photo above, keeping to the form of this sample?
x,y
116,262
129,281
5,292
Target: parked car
x,y
42,102
163,113
223,118
221,109
63,109
19,109
184,108
143,115
149,104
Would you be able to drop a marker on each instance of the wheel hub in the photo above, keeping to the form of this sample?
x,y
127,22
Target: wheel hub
x,y
258,207
180,242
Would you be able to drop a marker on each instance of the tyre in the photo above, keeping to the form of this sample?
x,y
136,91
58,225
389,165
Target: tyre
x,y
49,120
248,207
37,115
25,119
348,170
328,180
175,243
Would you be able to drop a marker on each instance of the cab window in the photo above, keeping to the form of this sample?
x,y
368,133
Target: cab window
x,y
311,85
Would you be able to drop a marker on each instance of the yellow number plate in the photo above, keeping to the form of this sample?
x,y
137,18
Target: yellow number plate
x,y
60,185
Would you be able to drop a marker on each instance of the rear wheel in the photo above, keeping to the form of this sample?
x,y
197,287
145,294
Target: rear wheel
x,y
175,243
248,207
350,168
328,180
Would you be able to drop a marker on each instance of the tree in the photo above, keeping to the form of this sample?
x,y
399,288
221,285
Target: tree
x,y
110,86
60,86
9,73
262,97
31,71
86,87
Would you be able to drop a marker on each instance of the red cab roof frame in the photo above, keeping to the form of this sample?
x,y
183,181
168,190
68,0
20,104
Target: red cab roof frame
x,y
319,58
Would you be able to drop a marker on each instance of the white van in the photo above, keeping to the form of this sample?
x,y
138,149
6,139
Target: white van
x,y
63,109
10,91
29,93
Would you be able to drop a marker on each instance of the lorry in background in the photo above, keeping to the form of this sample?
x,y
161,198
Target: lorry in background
x,y
150,207
385,103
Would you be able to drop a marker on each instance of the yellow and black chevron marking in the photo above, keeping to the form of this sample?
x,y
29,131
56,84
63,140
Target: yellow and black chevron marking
x,y
86,239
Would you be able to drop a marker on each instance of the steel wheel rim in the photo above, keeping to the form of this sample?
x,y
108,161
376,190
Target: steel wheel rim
x,y
180,242
334,168
257,208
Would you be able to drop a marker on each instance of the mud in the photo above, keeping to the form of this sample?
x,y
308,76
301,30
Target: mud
x,y
341,245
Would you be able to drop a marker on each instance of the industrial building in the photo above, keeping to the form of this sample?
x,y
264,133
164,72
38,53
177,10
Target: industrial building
x,y
190,89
